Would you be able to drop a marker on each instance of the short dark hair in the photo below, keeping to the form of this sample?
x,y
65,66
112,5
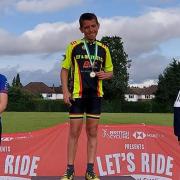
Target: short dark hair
x,y
87,16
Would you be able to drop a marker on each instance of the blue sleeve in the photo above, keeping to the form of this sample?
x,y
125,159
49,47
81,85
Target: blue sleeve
x,y
3,84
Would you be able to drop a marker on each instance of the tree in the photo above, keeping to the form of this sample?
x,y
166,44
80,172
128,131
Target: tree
x,y
20,100
117,86
169,84
16,81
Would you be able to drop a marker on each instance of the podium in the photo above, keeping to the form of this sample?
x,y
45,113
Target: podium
x,y
82,178
177,116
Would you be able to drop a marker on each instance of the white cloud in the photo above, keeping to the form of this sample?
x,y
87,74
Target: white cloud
x,y
44,38
37,6
143,34
148,67
45,5
155,2
145,83
51,37
140,35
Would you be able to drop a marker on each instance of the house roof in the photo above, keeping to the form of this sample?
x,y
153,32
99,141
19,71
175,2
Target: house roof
x,y
57,90
142,91
150,90
38,87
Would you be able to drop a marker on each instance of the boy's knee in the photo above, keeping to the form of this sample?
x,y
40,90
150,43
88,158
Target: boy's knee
x,y
92,132
74,133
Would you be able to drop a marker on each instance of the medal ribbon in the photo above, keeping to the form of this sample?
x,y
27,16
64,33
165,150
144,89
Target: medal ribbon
x,y
88,53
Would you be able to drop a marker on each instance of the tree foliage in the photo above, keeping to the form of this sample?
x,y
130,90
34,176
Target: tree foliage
x,y
14,82
17,81
169,84
20,100
117,86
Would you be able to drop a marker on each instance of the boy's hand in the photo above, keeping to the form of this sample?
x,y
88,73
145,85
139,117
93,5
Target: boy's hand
x,y
67,98
104,75
101,75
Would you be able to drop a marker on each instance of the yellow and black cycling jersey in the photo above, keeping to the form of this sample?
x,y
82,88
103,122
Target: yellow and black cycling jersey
x,y
82,64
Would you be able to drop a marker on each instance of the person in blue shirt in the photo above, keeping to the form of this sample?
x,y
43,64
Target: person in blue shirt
x,y
3,97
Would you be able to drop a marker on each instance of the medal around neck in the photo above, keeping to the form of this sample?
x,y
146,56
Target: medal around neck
x,y
92,74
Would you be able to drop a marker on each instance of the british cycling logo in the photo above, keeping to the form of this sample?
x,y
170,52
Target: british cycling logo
x,y
112,134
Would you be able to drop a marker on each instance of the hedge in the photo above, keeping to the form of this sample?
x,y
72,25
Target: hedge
x,y
135,107
50,106
115,106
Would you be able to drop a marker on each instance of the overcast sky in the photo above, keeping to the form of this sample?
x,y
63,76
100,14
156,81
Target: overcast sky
x,y
35,33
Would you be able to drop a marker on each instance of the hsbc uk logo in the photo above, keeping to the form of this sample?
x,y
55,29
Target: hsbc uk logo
x,y
139,135
142,135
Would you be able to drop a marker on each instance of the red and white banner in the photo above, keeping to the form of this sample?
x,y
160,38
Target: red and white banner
x,y
141,151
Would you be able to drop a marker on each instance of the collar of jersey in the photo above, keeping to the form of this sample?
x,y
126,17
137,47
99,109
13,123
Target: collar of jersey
x,y
89,41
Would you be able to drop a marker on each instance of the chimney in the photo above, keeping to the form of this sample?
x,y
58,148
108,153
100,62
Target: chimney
x,y
177,117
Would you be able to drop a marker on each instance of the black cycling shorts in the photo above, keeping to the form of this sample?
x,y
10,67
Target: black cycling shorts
x,y
90,106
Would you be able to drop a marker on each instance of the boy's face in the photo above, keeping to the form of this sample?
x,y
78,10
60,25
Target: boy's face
x,y
90,29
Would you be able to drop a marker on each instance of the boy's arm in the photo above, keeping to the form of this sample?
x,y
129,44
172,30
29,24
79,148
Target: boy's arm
x,y
107,72
64,82
3,101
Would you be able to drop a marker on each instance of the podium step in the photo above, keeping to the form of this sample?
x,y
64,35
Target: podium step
x,y
82,178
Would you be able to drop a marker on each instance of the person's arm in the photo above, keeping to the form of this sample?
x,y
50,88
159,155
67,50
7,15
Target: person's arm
x,y
107,72
3,101
104,75
64,83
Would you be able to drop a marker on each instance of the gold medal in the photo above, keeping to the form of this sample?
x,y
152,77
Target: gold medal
x,y
92,74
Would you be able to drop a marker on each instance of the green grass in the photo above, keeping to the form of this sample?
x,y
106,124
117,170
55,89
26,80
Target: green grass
x,y
164,119
30,121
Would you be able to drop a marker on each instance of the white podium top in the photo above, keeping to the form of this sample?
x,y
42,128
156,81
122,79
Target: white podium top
x,y
177,102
